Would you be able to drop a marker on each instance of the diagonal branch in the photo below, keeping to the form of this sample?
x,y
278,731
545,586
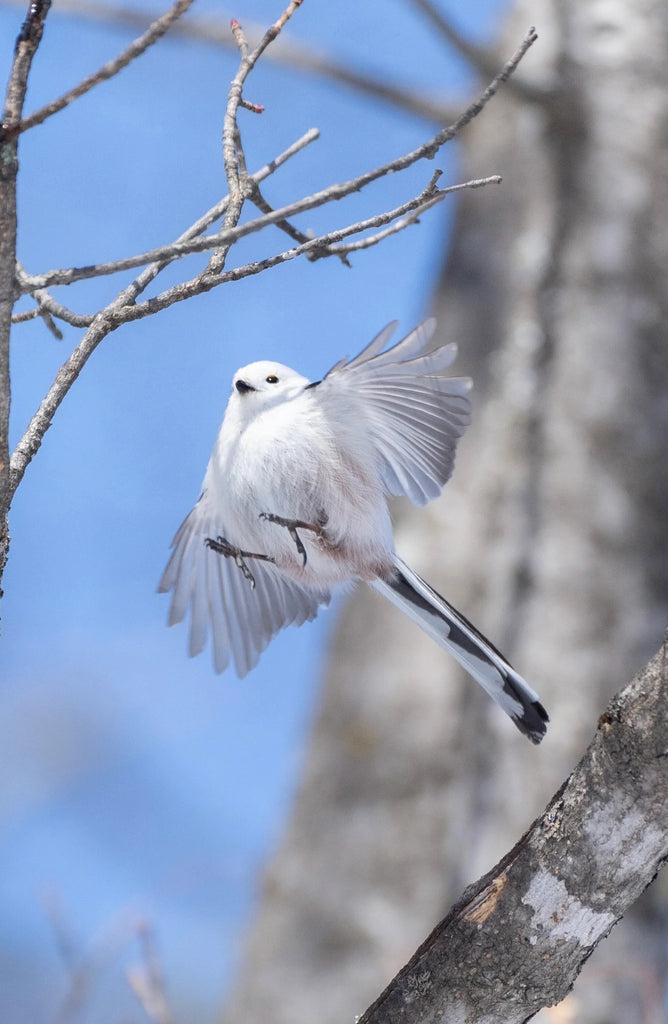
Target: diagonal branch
x,y
290,230
288,52
317,247
35,285
154,32
518,938
151,272
333,192
344,249
99,326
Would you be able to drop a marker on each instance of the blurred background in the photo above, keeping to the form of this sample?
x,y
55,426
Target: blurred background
x,y
143,796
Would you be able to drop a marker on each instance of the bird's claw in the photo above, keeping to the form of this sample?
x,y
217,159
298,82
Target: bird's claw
x,y
291,526
223,547
292,530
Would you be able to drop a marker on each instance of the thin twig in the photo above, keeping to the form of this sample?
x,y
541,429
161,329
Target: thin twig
x,y
50,323
309,61
151,272
98,328
404,222
85,965
28,283
48,305
319,246
315,248
333,192
232,148
255,108
28,314
108,70
41,297
294,233
231,140
33,314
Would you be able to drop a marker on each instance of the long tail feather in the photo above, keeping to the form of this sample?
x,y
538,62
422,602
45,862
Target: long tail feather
x,y
479,657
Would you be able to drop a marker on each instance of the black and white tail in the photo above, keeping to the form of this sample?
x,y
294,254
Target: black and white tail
x,y
479,657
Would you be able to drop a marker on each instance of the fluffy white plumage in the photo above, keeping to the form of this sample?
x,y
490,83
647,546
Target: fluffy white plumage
x,y
323,458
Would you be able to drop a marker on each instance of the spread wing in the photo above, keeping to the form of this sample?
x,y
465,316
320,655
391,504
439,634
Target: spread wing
x,y
415,414
242,619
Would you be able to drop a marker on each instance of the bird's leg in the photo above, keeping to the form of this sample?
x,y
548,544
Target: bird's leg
x,y
291,526
227,550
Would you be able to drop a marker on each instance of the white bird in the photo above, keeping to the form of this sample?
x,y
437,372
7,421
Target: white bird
x,y
294,504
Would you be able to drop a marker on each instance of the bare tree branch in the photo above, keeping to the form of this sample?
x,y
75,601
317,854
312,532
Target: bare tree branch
x,y
98,328
404,222
34,285
26,46
258,200
84,965
314,248
155,31
232,149
47,305
145,278
518,938
319,246
178,249
42,298
33,314
333,192
287,52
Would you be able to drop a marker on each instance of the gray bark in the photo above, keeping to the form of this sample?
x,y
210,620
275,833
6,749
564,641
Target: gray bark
x,y
551,537
518,938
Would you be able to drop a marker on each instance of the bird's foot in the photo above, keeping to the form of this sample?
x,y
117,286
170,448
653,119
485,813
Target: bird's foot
x,y
223,547
291,525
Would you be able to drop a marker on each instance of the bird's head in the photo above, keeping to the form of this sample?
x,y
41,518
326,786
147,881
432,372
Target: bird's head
x,y
262,385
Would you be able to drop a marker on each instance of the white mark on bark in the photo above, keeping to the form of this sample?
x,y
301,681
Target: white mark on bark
x,y
562,916
623,841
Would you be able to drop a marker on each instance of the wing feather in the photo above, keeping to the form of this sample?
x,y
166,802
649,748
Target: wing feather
x,y
199,610
414,414
241,619
220,634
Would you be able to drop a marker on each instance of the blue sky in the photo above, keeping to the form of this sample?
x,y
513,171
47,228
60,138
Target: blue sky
x,y
136,782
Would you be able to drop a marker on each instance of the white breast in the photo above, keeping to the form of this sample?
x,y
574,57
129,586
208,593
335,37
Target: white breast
x,y
289,462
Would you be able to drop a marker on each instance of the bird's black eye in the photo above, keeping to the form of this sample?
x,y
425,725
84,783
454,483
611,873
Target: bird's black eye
x,y
272,379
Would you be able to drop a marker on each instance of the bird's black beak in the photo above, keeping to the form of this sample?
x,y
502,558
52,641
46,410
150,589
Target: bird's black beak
x,y
242,387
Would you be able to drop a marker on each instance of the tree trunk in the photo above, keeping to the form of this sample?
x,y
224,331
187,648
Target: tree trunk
x,y
551,537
